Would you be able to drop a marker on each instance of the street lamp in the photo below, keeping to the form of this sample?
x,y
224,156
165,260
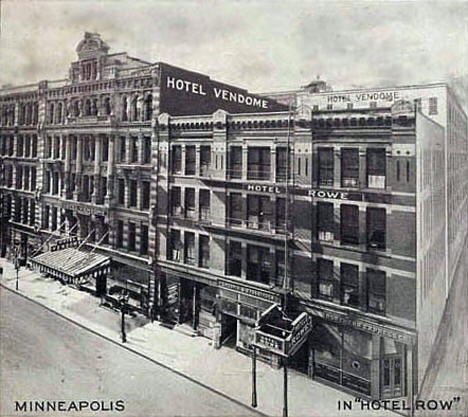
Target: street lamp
x,y
123,308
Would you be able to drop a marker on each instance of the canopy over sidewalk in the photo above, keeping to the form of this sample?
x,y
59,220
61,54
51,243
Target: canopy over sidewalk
x,y
72,265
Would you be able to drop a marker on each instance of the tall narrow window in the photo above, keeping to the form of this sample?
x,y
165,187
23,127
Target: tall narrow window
x,y
376,225
281,215
105,149
204,205
235,209
145,195
175,246
349,284
121,193
176,206
177,159
376,167
376,291
325,279
205,160
122,149
134,149
204,250
190,257
349,224
190,160
349,167
144,240
326,166
258,264
235,162
131,236
259,160
235,259
133,193
146,150
281,163
398,170
190,203
407,171
325,221
119,234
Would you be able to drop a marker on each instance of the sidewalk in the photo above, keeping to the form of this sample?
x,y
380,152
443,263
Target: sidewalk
x,y
224,370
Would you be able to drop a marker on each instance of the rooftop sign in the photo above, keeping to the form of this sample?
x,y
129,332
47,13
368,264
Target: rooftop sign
x,y
185,92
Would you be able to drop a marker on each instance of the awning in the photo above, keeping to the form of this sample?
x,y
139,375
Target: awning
x,y
70,263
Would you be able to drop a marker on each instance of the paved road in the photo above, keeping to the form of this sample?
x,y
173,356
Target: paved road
x,y
44,357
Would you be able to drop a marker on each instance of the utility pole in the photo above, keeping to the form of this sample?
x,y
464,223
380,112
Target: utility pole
x,y
254,377
123,306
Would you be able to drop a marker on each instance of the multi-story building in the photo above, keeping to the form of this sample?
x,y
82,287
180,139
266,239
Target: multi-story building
x,y
219,204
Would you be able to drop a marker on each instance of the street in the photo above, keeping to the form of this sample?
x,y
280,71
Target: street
x,y
44,357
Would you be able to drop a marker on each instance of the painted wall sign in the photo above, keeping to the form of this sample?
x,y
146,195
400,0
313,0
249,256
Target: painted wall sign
x,y
185,92
83,209
249,291
390,96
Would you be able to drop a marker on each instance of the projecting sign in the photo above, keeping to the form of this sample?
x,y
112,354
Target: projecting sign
x,y
185,92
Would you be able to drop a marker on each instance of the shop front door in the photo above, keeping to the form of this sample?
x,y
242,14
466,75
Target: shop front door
x,y
392,376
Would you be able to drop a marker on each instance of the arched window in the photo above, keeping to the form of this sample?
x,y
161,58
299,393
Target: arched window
x,y
58,118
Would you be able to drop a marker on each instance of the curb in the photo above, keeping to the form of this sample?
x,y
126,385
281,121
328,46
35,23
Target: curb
x,y
135,352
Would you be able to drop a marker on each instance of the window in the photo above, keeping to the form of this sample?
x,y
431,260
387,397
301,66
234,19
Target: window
x,y
204,248
144,240
376,291
105,149
281,163
33,178
204,204
325,278
376,165
376,224
432,106
103,188
131,236
175,246
349,224
325,221
190,203
119,234
190,160
281,215
134,149
326,166
146,150
177,159
190,248
259,212
121,192
235,162
176,207
122,149
350,167
349,284
258,167
145,195
235,209
235,259
398,170
407,171
133,193
205,160
258,264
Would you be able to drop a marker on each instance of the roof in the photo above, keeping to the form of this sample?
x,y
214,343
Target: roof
x,y
71,261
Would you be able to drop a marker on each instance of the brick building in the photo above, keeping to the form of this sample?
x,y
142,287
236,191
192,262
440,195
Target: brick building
x,y
213,204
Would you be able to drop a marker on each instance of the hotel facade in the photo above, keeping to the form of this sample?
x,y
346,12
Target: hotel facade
x,y
209,205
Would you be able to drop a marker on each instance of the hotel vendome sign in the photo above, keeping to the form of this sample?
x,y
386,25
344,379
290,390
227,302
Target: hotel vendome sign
x,y
185,92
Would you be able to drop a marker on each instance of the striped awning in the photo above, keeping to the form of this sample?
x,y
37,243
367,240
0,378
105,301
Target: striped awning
x,y
71,261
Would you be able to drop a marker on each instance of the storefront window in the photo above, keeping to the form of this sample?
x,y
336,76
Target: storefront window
x,y
342,356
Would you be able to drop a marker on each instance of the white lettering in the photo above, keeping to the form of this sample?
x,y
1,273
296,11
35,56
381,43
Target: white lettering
x,y
217,92
170,82
179,84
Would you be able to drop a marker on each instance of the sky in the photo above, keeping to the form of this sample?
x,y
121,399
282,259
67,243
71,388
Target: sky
x,y
259,45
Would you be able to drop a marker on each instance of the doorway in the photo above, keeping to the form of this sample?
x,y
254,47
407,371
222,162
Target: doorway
x,y
392,376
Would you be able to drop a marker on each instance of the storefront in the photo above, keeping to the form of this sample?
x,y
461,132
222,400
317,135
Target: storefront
x,y
370,359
